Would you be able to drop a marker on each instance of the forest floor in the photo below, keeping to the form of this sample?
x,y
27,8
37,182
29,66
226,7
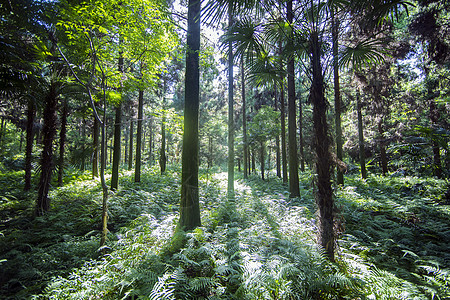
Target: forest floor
x,y
393,241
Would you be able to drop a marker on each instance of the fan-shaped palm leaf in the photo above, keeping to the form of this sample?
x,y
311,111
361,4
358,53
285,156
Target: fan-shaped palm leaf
x,y
365,53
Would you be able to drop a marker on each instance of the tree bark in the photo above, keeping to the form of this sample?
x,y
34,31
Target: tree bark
x,y
362,156
130,145
262,162
244,122
62,142
337,95
283,131
300,131
437,163
137,170
382,145
189,205
49,132
162,152
95,136
294,186
117,148
230,190
150,143
277,143
31,113
324,196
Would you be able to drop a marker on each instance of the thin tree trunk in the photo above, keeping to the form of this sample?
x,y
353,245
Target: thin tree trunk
x,y
130,145
283,132
230,189
262,159
382,145
103,156
294,185
137,170
62,142
31,113
324,196
362,156
49,132
117,148
337,96
189,205
301,140
95,148
162,153
253,162
244,121
277,144
150,144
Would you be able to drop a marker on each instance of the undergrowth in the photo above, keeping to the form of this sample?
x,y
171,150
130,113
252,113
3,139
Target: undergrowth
x,y
261,245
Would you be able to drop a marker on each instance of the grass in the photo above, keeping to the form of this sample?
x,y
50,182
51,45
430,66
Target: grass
x,y
394,241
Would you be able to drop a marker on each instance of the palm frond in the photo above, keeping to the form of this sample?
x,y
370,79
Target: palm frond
x,y
364,54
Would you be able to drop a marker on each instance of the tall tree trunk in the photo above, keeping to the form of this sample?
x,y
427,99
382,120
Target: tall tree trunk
x,y
337,95
62,142
117,148
244,121
324,196
130,145
83,144
49,132
150,143
189,205
300,131
230,189
382,145
103,155
277,143
262,159
294,185
31,113
162,153
95,136
362,156
137,170
283,129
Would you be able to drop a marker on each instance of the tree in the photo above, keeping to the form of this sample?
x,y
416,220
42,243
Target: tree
x,y
189,204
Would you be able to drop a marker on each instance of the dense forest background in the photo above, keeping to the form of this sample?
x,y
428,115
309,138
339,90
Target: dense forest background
x,y
224,149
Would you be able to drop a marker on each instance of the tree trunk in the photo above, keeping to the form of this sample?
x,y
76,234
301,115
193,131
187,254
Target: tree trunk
x,y
189,205
95,137
137,170
162,153
300,131
283,131
277,144
382,145
117,148
31,113
49,132
244,122
262,159
230,189
324,196
83,144
150,143
362,156
130,145
62,142
294,186
103,155
337,95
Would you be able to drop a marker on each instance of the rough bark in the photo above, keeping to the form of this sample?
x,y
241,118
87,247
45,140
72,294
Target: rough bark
x,y
294,186
324,196
137,169
31,113
48,132
189,205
